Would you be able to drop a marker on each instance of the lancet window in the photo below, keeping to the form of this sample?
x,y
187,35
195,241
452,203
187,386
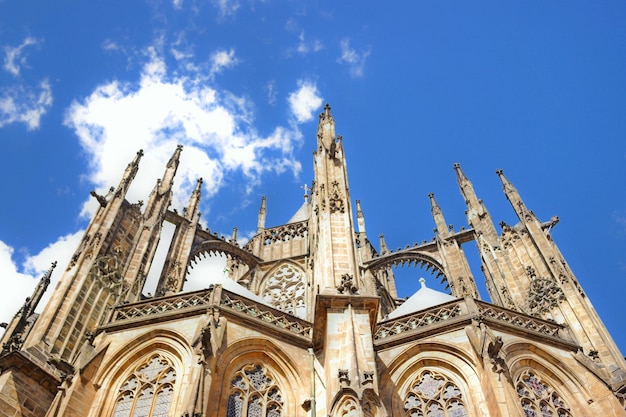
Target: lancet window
x,y
148,391
253,393
434,395
285,290
538,398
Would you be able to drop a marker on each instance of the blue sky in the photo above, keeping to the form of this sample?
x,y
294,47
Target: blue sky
x,y
535,88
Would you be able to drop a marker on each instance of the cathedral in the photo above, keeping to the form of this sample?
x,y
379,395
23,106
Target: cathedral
x,y
306,319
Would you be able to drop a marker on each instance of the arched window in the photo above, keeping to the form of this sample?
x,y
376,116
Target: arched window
x,y
434,395
253,393
148,391
538,398
285,290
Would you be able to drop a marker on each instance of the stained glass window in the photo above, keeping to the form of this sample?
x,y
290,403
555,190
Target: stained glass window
x,y
147,392
434,395
538,398
285,290
253,393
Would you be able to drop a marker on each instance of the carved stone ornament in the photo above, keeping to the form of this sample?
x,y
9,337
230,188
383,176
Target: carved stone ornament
x,y
543,294
336,199
343,375
347,285
106,270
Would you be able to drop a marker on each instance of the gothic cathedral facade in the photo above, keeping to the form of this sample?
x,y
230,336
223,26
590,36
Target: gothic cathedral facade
x,y
308,321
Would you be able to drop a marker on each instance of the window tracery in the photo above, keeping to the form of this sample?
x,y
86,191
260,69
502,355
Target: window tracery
x,y
538,399
148,391
253,393
285,290
434,395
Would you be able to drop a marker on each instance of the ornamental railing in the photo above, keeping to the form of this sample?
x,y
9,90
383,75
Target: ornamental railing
x,y
419,320
522,321
460,312
162,305
266,314
198,302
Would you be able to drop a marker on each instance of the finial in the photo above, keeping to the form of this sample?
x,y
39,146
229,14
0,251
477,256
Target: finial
x,y
422,282
306,189
383,245
360,217
262,214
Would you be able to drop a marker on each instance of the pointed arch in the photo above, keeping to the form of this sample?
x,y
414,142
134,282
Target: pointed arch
x,y
254,392
544,384
434,394
245,356
284,287
346,406
148,390
538,397
142,378
432,379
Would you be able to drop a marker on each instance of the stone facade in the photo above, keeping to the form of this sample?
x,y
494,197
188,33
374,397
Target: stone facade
x,y
300,327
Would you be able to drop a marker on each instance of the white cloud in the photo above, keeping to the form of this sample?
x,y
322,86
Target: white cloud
x,y
159,112
20,281
304,101
222,59
162,110
23,104
178,4
305,46
353,58
20,102
14,58
226,7
270,87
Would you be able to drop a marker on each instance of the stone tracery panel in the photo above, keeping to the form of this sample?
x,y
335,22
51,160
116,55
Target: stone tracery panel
x,y
434,395
285,289
253,393
148,391
539,399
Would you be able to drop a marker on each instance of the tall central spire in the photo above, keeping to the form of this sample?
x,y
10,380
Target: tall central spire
x,y
333,234
326,129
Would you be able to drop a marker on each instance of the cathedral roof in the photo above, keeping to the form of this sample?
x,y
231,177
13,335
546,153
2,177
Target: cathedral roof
x,y
230,285
301,215
424,298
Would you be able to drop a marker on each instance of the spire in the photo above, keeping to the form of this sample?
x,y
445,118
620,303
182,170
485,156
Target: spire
x,y
262,212
477,215
360,219
129,175
42,286
438,216
383,245
168,177
194,200
326,130
513,196
466,188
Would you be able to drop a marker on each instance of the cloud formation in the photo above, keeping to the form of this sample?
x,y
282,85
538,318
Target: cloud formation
x,y
21,103
155,114
222,59
305,46
304,101
214,126
14,57
22,283
355,60
226,7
